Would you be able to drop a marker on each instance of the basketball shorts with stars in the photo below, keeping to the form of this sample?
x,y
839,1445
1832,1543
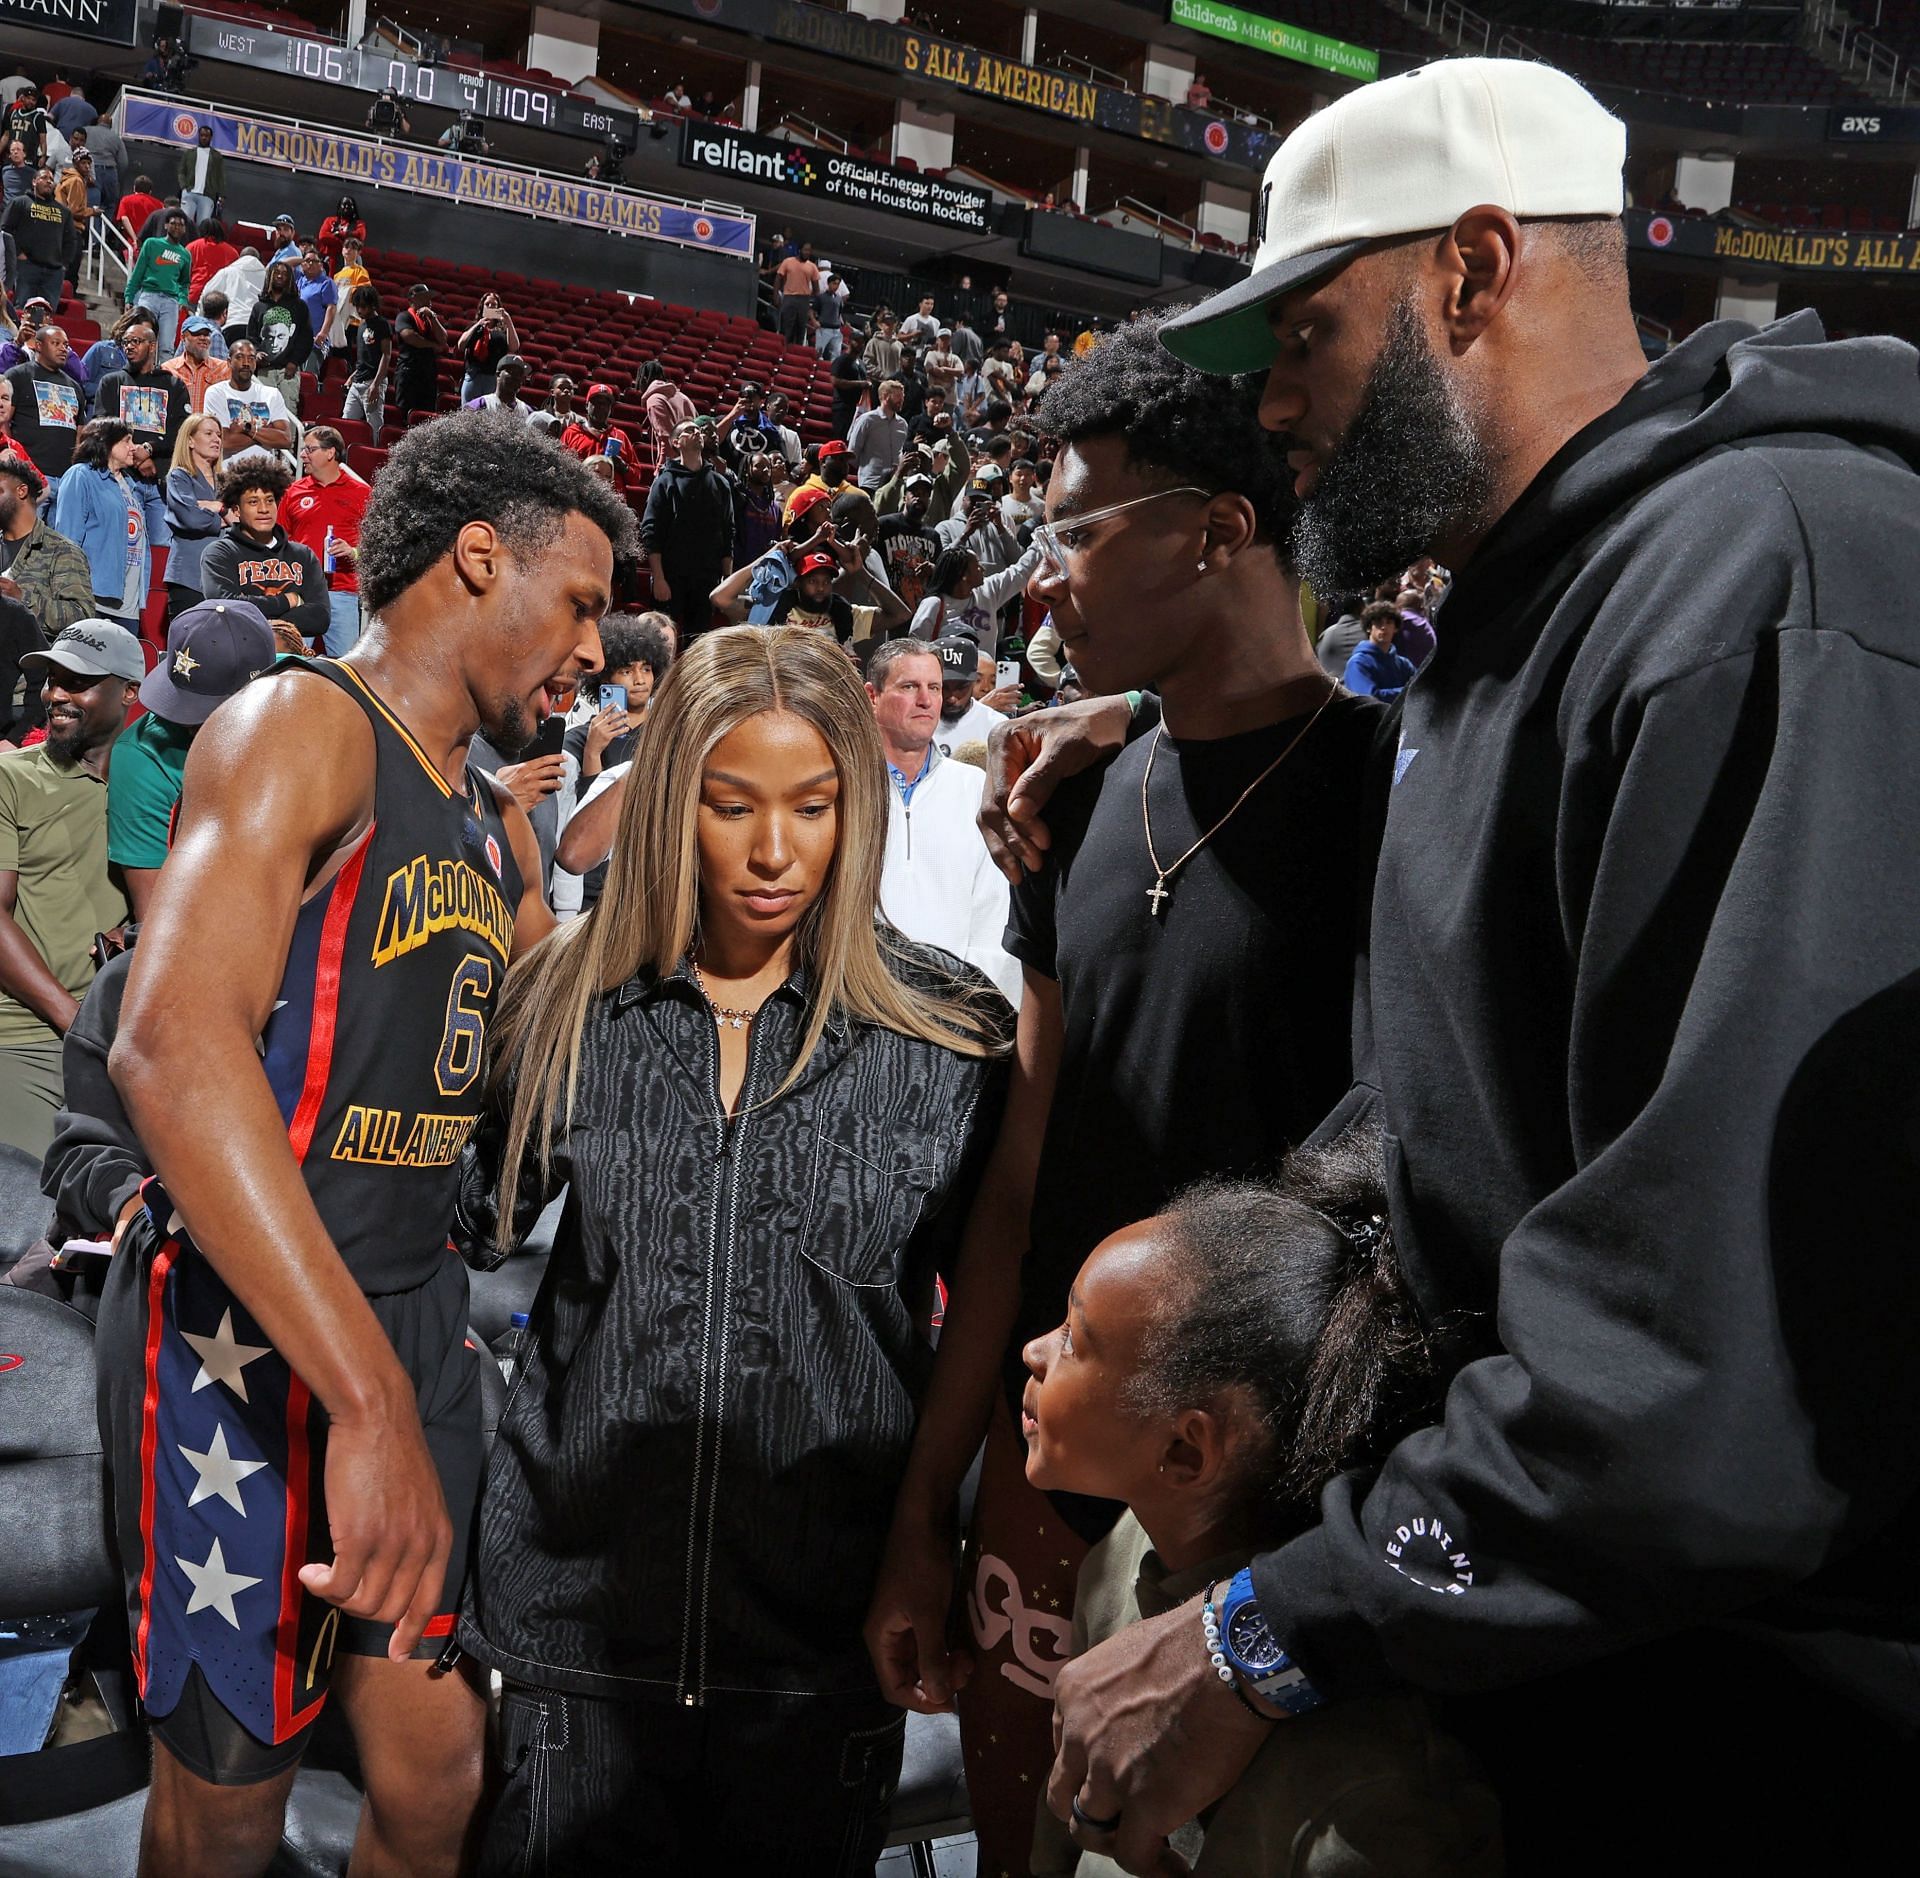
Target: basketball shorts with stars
x,y
218,1458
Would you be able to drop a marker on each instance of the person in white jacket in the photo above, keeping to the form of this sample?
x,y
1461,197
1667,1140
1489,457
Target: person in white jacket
x,y
938,883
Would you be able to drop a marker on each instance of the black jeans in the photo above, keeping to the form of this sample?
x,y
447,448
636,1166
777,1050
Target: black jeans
x,y
795,1785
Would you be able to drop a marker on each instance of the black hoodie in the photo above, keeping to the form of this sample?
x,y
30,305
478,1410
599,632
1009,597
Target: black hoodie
x,y
1644,998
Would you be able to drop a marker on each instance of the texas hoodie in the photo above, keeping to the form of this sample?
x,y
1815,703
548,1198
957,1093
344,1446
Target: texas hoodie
x,y
1642,1010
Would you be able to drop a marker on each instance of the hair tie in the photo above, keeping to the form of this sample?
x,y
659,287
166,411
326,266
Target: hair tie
x,y
1365,1235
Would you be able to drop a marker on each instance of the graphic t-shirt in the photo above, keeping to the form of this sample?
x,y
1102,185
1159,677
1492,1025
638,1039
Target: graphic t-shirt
x,y
369,337
277,329
835,616
228,405
46,416
909,550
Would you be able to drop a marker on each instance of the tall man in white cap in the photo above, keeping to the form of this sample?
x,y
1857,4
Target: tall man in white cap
x,y
1640,1020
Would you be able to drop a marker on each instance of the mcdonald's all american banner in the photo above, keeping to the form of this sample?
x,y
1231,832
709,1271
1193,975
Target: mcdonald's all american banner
x,y
371,163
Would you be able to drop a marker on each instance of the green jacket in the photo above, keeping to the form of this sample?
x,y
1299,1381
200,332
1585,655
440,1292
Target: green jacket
x,y
216,172
55,582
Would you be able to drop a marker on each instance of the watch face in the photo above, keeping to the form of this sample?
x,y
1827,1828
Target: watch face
x,y
1251,1643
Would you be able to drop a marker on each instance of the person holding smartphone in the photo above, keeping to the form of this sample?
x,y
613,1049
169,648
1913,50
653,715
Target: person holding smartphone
x,y
483,345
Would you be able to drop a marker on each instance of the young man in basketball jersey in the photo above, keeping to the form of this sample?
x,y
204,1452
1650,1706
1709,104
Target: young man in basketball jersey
x,y
289,1398
1188,955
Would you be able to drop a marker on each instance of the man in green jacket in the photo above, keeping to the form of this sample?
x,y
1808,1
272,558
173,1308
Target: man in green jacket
x,y
39,567
203,180
160,276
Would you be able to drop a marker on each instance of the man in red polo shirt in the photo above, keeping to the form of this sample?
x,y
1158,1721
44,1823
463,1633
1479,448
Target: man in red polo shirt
x,y
597,434
322,511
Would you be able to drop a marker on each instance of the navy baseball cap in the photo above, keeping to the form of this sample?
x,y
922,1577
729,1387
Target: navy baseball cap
x,y
212,650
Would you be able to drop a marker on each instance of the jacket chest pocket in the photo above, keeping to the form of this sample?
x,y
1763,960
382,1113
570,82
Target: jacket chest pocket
x,y
868,1185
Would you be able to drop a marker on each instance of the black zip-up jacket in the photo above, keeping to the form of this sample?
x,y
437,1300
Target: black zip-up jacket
x,y
1644,997
696,1469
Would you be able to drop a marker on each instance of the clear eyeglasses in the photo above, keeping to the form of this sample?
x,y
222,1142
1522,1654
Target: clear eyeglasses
x,y
1054,539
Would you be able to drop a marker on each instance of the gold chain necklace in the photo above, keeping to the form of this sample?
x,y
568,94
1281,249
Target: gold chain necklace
x,y
723,1015
1160,893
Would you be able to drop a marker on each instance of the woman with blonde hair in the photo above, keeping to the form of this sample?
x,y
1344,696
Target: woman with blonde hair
x,y
193,508
769,1111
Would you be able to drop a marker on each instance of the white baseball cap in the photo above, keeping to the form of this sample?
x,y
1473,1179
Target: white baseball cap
x,y
1399,157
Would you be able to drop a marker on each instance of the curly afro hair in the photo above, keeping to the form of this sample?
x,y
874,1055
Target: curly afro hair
x,y
477,466
1191,426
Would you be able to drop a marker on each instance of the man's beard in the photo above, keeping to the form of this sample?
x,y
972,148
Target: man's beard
x,y
951,712
71,747
1410,470
512,729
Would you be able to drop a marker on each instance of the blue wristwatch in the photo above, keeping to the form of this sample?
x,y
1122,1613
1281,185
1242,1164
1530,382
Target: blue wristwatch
x,y
1254,1653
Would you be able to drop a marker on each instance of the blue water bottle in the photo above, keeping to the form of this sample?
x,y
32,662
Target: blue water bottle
x,y
326,552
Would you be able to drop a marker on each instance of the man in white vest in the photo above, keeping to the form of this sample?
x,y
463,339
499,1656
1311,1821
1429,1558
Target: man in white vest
x,y
939,885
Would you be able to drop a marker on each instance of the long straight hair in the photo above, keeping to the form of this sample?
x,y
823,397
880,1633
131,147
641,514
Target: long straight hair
x,y
648,916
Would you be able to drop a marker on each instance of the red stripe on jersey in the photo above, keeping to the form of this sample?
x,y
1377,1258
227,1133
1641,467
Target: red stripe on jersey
x,y
149,1443
326,1001
287,1722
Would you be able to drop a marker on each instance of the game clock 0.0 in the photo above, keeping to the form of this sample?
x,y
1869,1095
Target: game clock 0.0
x,y
354,68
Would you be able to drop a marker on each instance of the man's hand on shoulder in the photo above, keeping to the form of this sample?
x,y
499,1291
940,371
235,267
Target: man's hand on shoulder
x,y
1027,759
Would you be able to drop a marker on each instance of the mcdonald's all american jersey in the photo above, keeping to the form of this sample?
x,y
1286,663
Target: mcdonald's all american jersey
x,y
374,1053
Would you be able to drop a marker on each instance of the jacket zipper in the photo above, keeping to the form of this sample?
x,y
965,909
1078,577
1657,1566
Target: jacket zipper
x,y
719,1292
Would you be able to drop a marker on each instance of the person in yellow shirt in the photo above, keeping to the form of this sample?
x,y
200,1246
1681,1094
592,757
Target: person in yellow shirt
x,y
350,274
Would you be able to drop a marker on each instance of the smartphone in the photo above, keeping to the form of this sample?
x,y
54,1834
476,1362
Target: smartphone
x,y
1005,672
548,738
613,697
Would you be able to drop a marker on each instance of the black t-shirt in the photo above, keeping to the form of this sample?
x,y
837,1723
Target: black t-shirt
x,y
46,416
20,707
908,549
418,365
1210,1039
483,353
153,404
374,331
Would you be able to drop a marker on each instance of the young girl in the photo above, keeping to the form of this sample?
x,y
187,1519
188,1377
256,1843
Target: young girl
x,y
1220,1363
770,1113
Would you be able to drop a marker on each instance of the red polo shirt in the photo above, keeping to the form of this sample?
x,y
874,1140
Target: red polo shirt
x,y
309,509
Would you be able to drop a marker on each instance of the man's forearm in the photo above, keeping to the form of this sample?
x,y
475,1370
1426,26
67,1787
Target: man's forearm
x,y
26,976
201,1106
983,1304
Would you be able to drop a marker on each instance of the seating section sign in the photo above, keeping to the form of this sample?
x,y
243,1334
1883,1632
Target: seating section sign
x,y
818,172
373,164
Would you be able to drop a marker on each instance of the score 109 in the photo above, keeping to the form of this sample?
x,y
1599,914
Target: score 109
x,y
452,90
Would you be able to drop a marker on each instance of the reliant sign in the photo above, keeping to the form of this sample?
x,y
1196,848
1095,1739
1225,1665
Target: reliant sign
x,y
818,172
1242,28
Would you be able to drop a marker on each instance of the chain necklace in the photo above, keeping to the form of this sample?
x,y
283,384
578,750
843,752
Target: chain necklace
x,y
723,1015
1160,893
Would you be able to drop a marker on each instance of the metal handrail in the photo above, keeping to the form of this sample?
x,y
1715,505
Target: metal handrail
x,y
104,252
1159,218
830,140
1861,53
212,10
1073,62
